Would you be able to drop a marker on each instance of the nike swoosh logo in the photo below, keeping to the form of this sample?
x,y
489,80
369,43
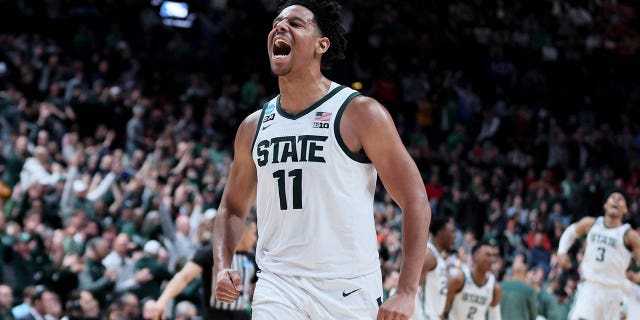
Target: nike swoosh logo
x,y
346,294
267,126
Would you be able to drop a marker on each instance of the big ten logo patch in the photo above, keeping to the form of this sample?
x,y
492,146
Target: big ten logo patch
x,y
321,120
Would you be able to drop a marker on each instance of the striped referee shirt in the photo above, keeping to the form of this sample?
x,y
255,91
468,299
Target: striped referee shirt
x,y
247,270
244,262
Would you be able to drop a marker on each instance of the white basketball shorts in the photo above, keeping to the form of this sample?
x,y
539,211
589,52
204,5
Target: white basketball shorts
x,y
279,297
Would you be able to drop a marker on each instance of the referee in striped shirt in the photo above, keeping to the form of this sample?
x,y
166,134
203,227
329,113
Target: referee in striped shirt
x,y
202,264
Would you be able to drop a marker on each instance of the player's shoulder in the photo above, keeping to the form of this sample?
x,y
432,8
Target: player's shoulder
x,y
585,224
367,112
253,118
588,220
632,238
456,278
249,125
364,104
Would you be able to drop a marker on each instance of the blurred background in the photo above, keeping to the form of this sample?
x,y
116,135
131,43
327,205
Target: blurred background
x,y
117,119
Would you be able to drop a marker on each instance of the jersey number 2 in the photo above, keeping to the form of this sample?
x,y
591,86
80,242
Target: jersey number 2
x,y
297,188
472,312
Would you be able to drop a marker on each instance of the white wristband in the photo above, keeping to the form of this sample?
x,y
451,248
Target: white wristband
x,y
567,240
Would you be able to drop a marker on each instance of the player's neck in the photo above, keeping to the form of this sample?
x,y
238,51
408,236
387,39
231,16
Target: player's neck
x,y
479,276
297,93
438,245
612,222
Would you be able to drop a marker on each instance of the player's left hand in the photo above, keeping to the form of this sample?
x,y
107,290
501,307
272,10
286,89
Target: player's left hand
x,y
398,307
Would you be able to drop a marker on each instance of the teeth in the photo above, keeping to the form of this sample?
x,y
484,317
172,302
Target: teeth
x,y
280,42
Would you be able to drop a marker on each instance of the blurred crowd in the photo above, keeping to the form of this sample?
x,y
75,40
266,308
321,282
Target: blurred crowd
x,y
117,133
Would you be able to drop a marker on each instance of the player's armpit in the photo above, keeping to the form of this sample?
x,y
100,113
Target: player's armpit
x,y
497,295
430,263
632,241
454,285
584,225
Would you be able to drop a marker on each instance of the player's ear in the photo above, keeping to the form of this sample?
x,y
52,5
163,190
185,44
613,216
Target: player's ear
x,y
322,45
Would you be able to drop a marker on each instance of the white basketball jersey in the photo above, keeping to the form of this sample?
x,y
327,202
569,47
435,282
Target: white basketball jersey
x,y
632,299
314,197
432,294
606,257
473,301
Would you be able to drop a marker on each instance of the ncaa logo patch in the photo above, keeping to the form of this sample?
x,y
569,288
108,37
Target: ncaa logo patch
x,y
270,107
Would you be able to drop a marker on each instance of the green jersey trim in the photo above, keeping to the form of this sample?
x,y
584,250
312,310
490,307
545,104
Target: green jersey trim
x,y
255,136
287,115
336,127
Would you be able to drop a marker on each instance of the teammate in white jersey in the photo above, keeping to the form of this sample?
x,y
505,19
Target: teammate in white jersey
x,y
474,293
631,300
610,245
432,295
310,160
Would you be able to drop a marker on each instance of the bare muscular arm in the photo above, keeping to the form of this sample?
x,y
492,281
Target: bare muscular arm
x,y
368,128
238,197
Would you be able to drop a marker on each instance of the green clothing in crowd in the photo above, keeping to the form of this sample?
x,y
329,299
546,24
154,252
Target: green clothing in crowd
x,y
160,273
94,280
518,301
550,307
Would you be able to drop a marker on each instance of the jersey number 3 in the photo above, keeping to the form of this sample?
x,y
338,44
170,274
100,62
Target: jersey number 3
x,y
600,256
296,174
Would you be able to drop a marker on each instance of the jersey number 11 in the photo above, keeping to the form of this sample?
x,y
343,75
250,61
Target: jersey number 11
x,y
296,174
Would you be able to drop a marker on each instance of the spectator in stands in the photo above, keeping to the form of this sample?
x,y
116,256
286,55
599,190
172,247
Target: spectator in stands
x,y
185,310
130,306
6,302
539,254
20,268
62,97
518,300
159,272
23,309
119,259
43,300
96,278
38,170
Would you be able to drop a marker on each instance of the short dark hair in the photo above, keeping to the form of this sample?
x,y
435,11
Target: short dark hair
x,y
621,192
38,292
327,16
438,223
489,243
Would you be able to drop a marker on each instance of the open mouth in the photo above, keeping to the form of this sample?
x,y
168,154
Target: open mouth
x,y
281,48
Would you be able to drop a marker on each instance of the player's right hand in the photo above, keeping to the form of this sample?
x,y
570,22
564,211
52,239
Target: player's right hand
x,y
564,262
397,307
158,311
228,285
633,276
